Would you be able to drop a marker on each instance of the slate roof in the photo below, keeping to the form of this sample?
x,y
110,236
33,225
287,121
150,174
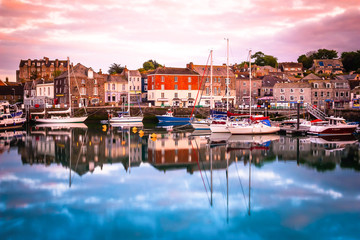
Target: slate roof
x,y
217,70
293,85
173,71
116,78
291,65
311,76
270,81
354,83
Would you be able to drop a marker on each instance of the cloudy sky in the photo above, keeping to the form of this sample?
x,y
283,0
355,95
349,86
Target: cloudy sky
x,y
98,33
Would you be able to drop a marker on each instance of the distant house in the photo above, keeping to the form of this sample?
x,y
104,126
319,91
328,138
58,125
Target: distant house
x,y
327,66
341,92
260,71
168,86
243,89
292,68
134,80
87,87
288,94
268,83
321,91
219,87
39,68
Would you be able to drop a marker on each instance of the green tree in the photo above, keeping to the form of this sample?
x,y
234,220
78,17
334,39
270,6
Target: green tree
x,y
115,68
306,61
151,65
57,73
264,60
351,60
325,54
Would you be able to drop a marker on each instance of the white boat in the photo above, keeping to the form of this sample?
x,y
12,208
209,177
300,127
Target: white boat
x,y
7,121
252,128
201,124
259,139
62,125
62,119
333,126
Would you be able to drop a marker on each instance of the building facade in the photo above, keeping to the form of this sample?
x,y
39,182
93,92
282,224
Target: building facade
x,y
292,68
40,68
243,89
116,89
327,66
288,94
219,88
173,87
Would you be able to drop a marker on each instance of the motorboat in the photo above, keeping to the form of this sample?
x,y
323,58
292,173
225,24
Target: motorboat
x,y
333,126
7,121
169,117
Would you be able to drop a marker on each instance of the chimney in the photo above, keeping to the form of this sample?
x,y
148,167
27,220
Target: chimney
x,y
190,66
100,72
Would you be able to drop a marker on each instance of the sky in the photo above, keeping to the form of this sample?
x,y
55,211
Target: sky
x,y
98,33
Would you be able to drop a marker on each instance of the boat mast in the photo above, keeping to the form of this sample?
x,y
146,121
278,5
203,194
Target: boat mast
x,y
227,75
129,93
250,80
68,68
211,81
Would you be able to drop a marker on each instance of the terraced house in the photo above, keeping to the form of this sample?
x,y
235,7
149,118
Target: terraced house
x,y
173,86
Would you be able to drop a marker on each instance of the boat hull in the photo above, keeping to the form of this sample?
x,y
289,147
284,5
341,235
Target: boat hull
x,y
201,125
219,128
332,130
61,120
126,119
172,119
245,130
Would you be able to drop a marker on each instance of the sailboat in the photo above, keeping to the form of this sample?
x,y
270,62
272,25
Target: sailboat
x,y
254,125
63,119
221,126
125,117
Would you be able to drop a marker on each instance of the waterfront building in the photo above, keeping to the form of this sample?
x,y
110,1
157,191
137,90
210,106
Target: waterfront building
x,y
327,66
341,92
321,91
87,87
134,79
267,85
173,86
243,89
219,88
40,68
12,94
289,93
292,68
116,89
144,87
354,93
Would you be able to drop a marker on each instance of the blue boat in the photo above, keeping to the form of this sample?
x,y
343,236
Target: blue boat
x,y
169,117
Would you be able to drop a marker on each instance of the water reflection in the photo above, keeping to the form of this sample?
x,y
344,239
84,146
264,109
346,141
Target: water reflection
x,y
174,183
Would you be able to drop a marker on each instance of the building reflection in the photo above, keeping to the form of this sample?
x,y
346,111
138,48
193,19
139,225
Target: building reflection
x,y
84,148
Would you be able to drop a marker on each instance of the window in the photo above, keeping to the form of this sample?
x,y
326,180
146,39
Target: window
x,y
83,91
282,98
189,87
315,94
189,95
95,91
138,79
113,98
328,94
162,87
113,86
189,79
175,95
130,88
138,87
175,79
291,90
215,90
95,81
162,79
109,98
321,94
316,85
108,87
292,98
347,94
328,85
282,90
145,88
244,92
207,91
162,95
176,87
254,84
301,90
82,81
341,94
244,83
301,98
123,87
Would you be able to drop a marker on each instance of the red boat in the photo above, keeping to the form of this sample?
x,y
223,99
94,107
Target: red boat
x,y
333,126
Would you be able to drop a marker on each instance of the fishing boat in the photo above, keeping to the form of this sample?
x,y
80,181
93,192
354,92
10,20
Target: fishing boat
x,y
58,117
333,126
169,117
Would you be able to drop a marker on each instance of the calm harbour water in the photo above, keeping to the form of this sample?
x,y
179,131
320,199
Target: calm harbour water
x,y
82,183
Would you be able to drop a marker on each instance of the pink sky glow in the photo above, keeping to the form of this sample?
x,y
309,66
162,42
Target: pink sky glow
x,y
98,33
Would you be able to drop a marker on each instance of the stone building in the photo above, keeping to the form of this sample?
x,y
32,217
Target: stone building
x,y
289,93
243,89
87,87
292,68
321,91
327,66
40,68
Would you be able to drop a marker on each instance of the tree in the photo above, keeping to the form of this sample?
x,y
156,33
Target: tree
x,y
115,68
325,54
151,65
57,73
307,61
351,60
264,60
